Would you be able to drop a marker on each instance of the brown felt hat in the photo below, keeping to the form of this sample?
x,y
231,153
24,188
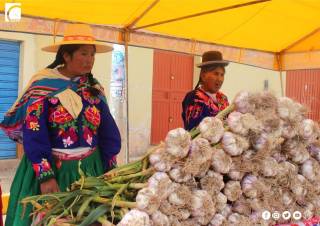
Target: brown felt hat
x,y
212,58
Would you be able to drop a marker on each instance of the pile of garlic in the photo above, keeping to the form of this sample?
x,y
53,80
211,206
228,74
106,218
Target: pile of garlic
x,y
264,156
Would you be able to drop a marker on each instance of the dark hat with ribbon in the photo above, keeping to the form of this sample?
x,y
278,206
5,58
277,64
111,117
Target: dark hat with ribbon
x,y
212,58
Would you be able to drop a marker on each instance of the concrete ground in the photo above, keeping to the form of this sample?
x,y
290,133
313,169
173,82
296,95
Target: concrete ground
x,y
7,172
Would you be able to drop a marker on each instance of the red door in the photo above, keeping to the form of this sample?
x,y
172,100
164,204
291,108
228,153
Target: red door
x,y
304,87
172,79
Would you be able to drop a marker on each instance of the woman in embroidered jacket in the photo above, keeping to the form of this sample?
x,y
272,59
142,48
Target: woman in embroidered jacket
x,y
206,99
61,118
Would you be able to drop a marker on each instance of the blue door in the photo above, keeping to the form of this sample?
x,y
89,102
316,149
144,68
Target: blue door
x,y
9,77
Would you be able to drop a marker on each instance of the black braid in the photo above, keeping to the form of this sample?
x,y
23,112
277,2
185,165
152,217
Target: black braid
x,y
92,82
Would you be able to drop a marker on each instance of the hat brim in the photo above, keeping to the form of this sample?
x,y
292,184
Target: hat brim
x,y
219,62
100,47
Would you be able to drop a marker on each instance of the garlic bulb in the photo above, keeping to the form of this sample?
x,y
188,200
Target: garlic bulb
x,y
287,199
298,186
202,206
236,219
314,150
221,162
159,219
212,183
199,159
269,167
290,110
242,123
178,142
242,102
179,175
181,196
232,190
311,170
148,200
287,168
235,124
161,161
217,220
308,211
211,129
255,204
226,211
234,173
221,201
248,154
161,183
309,130
299,154
135,218
234,144
288,130
248,186
241,206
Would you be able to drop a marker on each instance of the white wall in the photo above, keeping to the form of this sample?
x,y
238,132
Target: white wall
x,y
140,98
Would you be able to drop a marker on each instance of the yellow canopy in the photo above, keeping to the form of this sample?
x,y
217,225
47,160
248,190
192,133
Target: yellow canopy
x,y
274,34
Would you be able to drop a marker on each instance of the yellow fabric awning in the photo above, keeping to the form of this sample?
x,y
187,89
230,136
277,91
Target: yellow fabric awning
x,y
289,30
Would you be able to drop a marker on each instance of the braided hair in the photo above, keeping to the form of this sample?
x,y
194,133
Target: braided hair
x,y
59,60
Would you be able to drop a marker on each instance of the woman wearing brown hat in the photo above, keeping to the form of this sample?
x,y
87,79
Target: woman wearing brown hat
x,y
61,118
206,99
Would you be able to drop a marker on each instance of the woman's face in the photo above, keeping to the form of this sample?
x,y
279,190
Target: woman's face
x,y
82,60
213,80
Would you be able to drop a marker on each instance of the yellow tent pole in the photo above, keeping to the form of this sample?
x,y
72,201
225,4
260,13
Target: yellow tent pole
x,y
200,14
126,94
279,61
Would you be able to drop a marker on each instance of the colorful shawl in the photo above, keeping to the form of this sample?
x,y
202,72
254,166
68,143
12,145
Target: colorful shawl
x,y
46,83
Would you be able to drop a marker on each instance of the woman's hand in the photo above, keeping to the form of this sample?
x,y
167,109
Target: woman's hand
x,y
49,186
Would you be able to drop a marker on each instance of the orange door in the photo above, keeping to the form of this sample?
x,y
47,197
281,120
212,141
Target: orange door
x,y
304,87
172,79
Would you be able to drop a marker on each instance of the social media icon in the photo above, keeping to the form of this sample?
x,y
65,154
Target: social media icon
x,y
297,215
12,12
276,215
266,215
286,215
